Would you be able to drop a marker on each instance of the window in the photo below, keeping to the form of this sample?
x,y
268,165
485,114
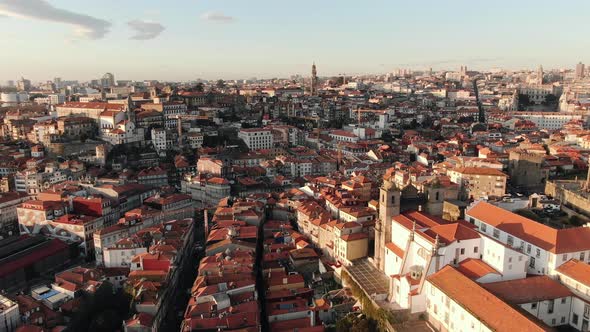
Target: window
x,y
496,233
575,319
538,253
563,300
475,250
550,306
582,256
564,257
462,251
532,263
586,311
528,248
483,227
510,240
563,320
533,306
553,321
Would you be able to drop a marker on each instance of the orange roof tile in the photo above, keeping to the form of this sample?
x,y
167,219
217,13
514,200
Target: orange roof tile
x,y
577,270
554,240
475,268
485,306
527,290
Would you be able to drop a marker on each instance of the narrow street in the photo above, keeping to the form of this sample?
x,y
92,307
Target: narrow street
x,y
260,284
188,274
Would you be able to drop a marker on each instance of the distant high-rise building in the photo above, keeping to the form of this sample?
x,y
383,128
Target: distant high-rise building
x,y
23,84
540,75
57,82
580,70
314,80
108,80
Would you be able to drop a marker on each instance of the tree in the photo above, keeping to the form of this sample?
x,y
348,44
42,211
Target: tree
x,y
199,87
220,84
527,214
550,99
104,310
575,221
523,101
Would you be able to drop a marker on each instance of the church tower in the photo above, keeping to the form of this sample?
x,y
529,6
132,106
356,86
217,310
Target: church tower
x,y
314,80
389,206
540,75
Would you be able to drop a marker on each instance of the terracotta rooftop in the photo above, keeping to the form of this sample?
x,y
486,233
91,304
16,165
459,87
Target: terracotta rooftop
x,y
576,270
475,268
527,290
485,306
556,241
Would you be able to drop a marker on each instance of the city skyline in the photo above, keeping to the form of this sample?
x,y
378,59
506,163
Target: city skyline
x,y
233,39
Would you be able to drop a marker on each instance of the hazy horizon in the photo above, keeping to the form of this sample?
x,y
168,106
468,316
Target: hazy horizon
x,y
233,39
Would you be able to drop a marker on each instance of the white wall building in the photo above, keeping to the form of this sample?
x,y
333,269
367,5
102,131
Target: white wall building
x,y
257,138
547,248
9,315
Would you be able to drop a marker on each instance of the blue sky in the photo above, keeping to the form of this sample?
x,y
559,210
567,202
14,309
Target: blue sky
x,y
189,39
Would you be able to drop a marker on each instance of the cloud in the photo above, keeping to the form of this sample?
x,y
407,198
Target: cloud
x,y
218,17
145,29
85,26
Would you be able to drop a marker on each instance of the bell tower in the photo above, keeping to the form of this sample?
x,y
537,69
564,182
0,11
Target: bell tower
x,y
389,206
314,80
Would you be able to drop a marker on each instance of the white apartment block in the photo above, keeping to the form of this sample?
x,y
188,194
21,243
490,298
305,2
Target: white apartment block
x,y
547,248
9,315
257,138
457,303
551,120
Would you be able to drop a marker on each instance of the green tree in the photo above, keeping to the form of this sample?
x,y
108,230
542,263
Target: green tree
x,y
523,101
199,87
527,214
220,84
550,99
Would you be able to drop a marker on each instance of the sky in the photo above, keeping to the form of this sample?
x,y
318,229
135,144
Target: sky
x,y
189,39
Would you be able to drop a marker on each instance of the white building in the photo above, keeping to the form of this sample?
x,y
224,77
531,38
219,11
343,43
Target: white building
x,y
9,314
421,244
162,140
551,120
121,253
575,275
52,99
540,296
257,138
547,248
457,303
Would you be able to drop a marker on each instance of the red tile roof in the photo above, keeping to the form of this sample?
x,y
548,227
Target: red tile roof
x,y
554,240
399,252
483,305
55,246
576,270
527,290
475,268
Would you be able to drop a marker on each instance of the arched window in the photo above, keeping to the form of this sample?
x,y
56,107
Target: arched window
x,y
392,199
437,195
